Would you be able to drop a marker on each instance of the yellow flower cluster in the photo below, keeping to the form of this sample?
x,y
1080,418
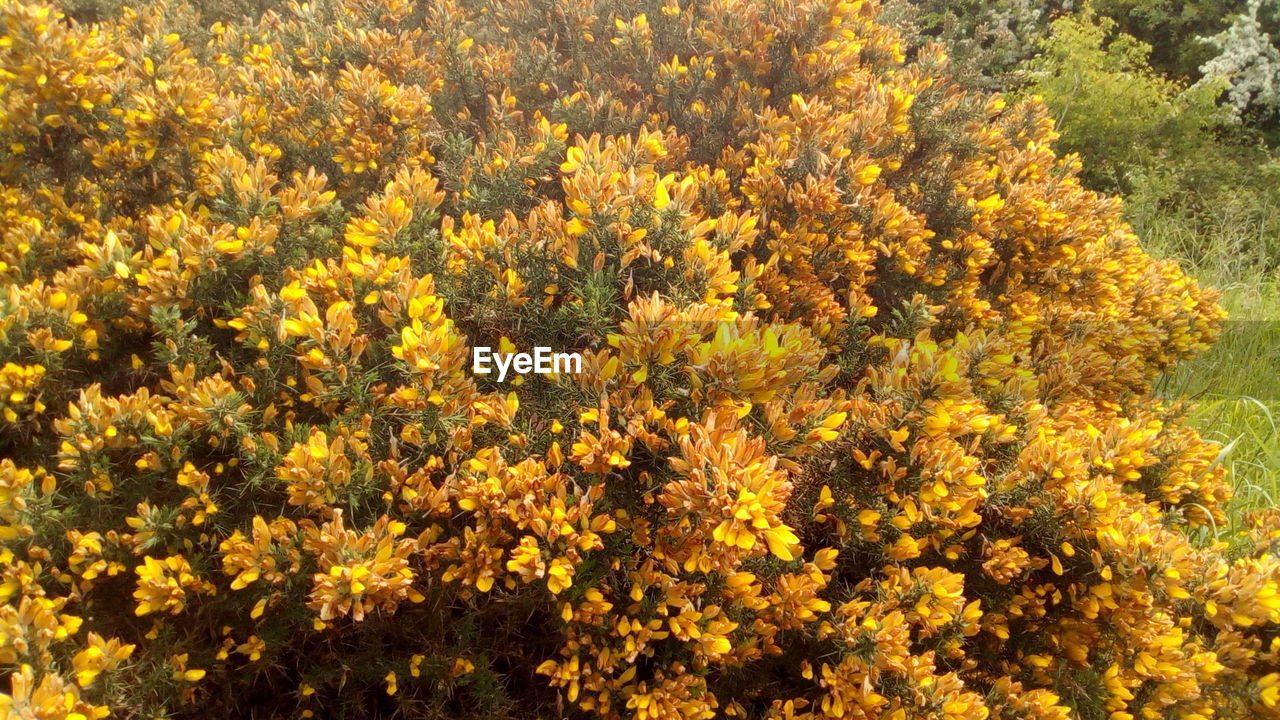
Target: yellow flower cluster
x,y
864,427
163,585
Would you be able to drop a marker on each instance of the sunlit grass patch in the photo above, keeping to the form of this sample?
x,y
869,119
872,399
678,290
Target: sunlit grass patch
x,y
1236,386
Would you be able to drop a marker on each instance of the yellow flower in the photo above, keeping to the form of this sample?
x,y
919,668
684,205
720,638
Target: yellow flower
x,y
868,174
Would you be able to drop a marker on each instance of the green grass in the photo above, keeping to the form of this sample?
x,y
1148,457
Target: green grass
x,y
1235,387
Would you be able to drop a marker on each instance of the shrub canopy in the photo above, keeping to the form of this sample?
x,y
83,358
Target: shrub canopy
x,y
865,428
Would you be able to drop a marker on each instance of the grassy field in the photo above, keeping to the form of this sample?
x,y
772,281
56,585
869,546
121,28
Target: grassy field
x,y
1236,385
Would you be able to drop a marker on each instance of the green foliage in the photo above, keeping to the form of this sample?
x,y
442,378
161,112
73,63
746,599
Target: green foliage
x,y
1111,107
1169,147
1172,28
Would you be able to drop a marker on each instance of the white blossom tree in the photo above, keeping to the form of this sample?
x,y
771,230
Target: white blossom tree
x,y
1248,61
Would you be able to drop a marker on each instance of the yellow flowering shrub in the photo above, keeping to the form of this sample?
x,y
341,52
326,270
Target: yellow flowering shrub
x,y
864,426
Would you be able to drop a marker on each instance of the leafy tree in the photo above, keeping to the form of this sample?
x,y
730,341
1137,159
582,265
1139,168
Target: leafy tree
x,y
1172,28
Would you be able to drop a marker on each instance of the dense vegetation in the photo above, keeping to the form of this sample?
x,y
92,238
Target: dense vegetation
x,y
869,426
1174,106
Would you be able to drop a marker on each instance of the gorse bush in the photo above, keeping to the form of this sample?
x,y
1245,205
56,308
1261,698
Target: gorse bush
x,y
864,430
986,39
1192,154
